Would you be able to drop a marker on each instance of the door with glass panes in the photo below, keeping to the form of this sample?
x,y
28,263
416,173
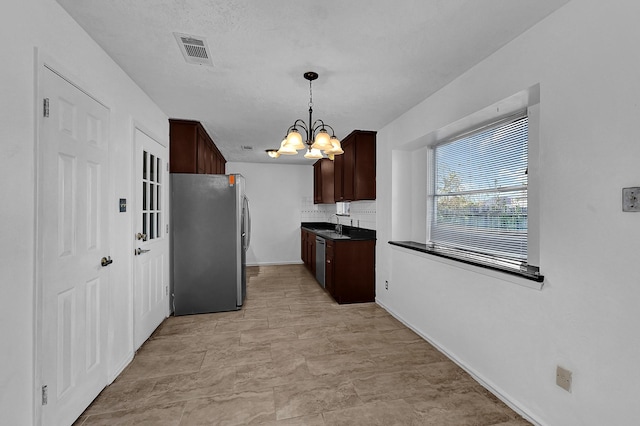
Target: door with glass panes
x,y
151,253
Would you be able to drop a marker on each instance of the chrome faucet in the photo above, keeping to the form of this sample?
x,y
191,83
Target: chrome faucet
x,y
338,227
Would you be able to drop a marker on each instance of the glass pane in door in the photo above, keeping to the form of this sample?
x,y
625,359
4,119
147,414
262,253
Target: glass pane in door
x,y
151,196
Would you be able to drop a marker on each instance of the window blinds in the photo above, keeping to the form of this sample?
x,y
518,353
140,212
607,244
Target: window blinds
x,y
479,194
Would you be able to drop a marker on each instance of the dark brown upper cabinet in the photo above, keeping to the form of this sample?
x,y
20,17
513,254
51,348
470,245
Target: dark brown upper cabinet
x,y
323,182
192,150
355,170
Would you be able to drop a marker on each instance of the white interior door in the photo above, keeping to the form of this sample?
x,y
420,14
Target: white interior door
x,y
73,229
151,282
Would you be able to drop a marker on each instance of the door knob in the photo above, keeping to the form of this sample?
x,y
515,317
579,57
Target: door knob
x,y
141,236
106,261
139,251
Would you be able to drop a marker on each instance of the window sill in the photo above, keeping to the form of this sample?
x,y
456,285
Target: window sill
x,y
523,278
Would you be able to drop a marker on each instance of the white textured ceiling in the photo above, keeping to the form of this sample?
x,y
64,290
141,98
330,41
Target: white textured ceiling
x,y
376,58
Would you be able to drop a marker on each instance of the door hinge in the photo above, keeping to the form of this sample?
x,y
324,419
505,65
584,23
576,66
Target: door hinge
x,y
44,395
45,107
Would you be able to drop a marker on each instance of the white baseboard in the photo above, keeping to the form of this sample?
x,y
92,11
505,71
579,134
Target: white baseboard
x,y
515,406
287,262
120,368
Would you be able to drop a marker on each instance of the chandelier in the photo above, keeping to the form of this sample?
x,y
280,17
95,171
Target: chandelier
x,y
317,138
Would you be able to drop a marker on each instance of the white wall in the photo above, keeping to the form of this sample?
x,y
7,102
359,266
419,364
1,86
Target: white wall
x,y
275,193
586,317
43,24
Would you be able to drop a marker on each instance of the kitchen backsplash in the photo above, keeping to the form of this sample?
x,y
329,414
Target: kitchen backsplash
x,y
363,213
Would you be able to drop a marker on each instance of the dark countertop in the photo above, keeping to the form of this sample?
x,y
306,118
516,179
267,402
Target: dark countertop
x,y
349,233
529,272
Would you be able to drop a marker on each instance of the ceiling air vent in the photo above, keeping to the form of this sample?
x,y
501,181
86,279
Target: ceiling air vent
x,y
247,148
194,49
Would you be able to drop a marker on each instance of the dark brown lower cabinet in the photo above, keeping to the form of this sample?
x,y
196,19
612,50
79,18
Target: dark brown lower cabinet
x,y
311,252
303,246
350,270
308,250
329,262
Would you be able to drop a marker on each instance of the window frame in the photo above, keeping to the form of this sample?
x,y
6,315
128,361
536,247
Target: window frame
x,y
410,225
452,249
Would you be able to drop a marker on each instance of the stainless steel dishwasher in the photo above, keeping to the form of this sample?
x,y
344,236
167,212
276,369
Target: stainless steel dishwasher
x,y
320,248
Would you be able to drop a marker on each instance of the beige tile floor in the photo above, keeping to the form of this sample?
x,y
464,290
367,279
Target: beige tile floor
x,y
292,356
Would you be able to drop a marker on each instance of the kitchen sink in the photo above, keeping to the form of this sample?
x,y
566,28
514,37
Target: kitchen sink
x,y
331,234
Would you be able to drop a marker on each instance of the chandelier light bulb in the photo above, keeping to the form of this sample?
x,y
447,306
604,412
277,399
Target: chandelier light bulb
x,y
294,140
285,149
336,148
313,153
322,141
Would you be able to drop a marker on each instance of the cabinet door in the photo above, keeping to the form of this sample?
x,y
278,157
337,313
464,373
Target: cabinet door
x,y
212,160
311,242
329,265
218,164
202,154
317,183
348,169
183,147
303,246
338,171
354,272
326,171
192,150
323,181
355,170
210,165
364,179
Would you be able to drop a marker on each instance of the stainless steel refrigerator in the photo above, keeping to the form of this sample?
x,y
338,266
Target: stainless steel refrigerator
x,y
210,234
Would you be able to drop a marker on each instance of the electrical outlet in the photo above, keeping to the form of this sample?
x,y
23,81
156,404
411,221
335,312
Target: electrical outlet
x,y
386,285
563,378
631,199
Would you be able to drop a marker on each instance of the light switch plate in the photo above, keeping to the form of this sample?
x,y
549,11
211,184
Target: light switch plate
x,y
631,199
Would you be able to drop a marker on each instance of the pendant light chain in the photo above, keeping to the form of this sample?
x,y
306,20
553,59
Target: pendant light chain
x,y
310,96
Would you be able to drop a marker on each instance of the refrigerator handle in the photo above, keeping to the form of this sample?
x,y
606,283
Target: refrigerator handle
x,y
246,200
